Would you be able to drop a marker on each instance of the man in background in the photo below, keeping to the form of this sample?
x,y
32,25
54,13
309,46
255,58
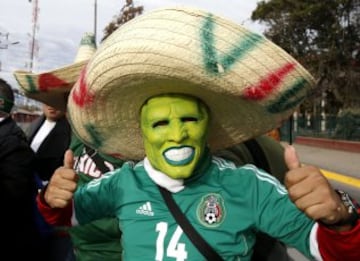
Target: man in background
x,y
49,137
17,185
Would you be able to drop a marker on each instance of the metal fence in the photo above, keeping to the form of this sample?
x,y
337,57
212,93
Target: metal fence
x,y
343,127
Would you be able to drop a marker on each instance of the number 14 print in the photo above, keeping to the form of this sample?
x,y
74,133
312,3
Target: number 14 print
x,y
175,249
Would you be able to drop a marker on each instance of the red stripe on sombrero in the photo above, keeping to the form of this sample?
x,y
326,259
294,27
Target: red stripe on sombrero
x,y
50,81
81,95
268,84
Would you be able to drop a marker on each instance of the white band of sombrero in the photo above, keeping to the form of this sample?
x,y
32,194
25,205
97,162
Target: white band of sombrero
x,y
249,83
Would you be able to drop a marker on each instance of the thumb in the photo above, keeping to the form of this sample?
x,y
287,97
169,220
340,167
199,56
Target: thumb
x,y
291,157
69,159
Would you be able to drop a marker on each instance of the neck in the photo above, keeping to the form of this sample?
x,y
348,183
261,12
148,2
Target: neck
x,y
161,179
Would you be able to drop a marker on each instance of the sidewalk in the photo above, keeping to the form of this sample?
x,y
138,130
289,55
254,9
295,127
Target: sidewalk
x,y
339,161
339,156
344,145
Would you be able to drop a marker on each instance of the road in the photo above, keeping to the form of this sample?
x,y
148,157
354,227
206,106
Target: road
x,y
341,167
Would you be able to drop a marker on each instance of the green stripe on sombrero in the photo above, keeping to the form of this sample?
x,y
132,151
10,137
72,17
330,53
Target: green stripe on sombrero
x,y
210,57
249,42
287,101
95,139
31,84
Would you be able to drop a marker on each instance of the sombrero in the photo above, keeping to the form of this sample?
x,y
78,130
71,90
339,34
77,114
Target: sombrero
x,y
250,84
53,87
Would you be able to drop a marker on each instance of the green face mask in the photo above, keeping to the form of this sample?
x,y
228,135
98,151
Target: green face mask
x,y
174,129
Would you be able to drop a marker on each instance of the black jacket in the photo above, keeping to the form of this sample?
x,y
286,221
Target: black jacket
x,y
50,154
17,191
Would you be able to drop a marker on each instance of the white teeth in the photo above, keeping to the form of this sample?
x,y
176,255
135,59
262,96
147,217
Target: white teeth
x,y
179,154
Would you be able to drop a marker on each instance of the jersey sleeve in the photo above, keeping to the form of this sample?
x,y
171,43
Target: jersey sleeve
x,y
334,245
98,198
275,214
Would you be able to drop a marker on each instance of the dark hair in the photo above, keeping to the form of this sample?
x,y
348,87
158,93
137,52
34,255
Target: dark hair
x,y
6,96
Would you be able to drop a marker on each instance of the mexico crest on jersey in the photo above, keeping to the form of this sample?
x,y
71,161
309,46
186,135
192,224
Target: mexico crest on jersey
x,y
211,210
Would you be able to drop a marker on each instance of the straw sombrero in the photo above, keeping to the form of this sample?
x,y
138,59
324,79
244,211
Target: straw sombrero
x,y
53,87
250,84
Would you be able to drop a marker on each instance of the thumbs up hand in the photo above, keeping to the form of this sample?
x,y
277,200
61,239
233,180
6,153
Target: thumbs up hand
x,y
311,192
62,184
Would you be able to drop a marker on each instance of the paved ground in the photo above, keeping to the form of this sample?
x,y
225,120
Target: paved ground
x,y
339,161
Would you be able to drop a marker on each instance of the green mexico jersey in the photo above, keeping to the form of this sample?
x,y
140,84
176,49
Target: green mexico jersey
x,y
225,204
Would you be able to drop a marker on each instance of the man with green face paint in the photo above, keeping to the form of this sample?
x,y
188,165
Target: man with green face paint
x,y
174,129
172,114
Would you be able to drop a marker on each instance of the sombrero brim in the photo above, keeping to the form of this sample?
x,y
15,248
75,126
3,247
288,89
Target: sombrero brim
x,y
250,84
50,87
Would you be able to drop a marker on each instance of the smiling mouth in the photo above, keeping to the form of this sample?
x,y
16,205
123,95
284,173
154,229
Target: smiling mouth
x,y
179,156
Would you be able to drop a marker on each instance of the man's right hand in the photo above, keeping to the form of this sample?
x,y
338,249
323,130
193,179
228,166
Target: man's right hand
x,y
62,185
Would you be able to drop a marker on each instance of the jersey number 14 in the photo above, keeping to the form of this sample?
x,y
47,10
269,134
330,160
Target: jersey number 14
x,y
174,249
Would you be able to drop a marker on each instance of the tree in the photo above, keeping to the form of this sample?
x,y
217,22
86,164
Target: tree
x,y
325,37
127,12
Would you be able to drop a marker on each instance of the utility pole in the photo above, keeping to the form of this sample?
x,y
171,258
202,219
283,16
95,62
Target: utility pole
x,y
33,43
95,18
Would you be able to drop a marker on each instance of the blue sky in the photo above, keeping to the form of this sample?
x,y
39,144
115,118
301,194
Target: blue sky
x,y
61,25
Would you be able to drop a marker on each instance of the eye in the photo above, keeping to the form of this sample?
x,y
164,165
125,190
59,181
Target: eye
x,y
189,119
160,123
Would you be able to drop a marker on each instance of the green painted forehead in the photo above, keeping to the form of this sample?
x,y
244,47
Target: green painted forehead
x,y
201,104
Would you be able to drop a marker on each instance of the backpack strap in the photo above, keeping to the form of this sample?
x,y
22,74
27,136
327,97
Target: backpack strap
x,y
94,155
199,242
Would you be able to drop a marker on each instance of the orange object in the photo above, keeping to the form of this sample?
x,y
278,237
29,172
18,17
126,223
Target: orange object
x,y
275,134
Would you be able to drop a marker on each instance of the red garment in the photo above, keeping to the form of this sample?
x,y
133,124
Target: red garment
x,y
54,216
335,246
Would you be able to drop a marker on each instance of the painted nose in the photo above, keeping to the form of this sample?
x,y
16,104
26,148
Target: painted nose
x,y
178,132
